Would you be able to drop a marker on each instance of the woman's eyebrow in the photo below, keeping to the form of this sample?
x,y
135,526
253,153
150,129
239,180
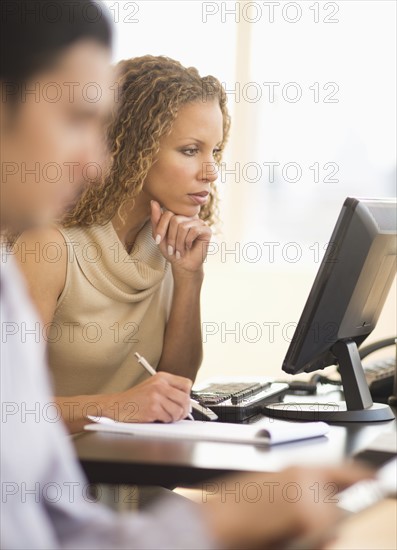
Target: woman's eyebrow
x,y
191,138
197,140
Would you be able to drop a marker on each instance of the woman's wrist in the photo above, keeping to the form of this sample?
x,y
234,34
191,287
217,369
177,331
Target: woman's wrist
x,y
75,410
109,405
184,276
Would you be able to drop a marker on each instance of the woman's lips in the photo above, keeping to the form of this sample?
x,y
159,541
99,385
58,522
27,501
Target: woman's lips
x,y
199,198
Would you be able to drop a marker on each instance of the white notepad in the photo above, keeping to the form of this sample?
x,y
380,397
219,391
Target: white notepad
x,y
263,432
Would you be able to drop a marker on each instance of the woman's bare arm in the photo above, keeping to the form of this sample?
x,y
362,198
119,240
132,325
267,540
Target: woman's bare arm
x,y
42,258
183,242
163,397
183,350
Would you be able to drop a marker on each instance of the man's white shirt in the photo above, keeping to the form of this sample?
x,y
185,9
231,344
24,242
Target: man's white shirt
x,y
45,500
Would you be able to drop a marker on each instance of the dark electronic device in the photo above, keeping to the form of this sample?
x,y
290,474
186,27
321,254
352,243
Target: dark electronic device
x,y
379,374
239,401
343,308
201,412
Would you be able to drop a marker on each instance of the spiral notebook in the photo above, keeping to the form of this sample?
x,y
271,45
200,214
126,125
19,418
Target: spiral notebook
x,y
264,432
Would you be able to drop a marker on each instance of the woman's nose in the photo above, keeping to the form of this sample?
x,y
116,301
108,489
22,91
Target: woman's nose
x,y
210,171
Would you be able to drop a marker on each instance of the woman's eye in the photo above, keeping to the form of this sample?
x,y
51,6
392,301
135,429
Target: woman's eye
x,y
217,151
190,152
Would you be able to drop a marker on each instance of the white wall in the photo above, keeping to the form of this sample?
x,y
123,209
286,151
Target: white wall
x,y
258,298
348,48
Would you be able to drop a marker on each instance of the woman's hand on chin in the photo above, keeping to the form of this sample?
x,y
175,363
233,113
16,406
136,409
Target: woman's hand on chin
x,y
183,241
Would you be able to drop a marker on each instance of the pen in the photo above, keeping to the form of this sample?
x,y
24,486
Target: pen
x,y
147,366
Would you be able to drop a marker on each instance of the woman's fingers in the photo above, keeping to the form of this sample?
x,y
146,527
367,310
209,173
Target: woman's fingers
x,y
187,233
173,411
181,237
177,234
164,397
176,381
172,234
174,229
172,403
160,221
201,231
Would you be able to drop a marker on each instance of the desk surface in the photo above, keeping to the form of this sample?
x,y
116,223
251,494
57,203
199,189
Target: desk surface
x,y
126,459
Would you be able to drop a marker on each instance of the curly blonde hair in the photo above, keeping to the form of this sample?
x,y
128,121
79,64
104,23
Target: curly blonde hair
x,y
151,90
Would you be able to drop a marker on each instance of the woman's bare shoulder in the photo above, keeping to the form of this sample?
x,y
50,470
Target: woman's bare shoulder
x,y
42,257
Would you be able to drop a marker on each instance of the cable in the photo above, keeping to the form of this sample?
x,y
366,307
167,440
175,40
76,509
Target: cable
x,y
310,386
320,379
367,350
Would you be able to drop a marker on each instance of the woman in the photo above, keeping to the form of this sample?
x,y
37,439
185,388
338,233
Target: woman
x,y
124,270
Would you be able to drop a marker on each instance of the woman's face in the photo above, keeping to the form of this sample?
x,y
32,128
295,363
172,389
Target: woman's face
x,y
52,143
181,176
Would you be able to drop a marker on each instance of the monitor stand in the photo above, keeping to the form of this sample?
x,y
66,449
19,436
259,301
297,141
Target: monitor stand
x,y
358,406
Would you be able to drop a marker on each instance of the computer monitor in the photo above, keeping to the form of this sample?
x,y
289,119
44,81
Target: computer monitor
x,y
343,308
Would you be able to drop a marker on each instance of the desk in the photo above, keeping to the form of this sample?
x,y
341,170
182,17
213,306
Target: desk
x,y
125,459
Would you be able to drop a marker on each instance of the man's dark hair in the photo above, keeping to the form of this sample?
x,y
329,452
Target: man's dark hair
x,y
34,33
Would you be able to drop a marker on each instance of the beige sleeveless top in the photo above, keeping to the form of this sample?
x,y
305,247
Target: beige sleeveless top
x,y
112,305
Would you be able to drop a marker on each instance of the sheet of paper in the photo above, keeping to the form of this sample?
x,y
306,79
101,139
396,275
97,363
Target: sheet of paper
x,y
264,432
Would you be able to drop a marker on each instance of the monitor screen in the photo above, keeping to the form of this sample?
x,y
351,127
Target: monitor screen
x,y
351,286
343,308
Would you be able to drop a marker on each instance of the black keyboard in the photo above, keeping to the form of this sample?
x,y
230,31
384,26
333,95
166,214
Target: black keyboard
x,y
238,401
